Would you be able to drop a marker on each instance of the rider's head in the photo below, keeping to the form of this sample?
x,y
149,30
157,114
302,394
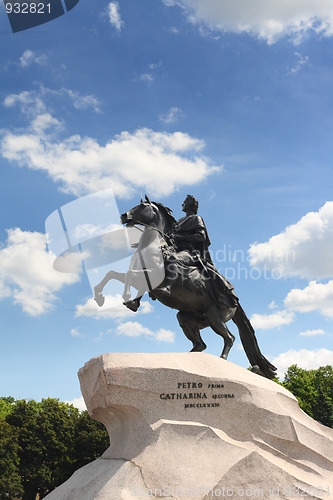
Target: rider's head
x,y
190,204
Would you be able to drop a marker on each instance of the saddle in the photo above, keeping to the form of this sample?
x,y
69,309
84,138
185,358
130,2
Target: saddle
x,y
198,276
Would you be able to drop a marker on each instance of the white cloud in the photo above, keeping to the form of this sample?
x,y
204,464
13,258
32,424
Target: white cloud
x,y
147,78
32,102
29,57
303,249
114,16
172,116
26,273
75,333
113,308
156,162
83,101
267,321
301,61
41,123
5,290
306,359
312,333
268,20
155,65
316,296
135,329
28,101
78,403
163,335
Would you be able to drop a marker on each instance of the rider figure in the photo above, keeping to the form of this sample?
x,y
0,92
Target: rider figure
x,y
190,237
190,232
191,243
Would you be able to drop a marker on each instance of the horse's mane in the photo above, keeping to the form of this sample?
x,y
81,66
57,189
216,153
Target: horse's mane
x,y
170,221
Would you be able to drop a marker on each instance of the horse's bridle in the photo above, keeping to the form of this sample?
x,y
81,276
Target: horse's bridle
x,y
152,227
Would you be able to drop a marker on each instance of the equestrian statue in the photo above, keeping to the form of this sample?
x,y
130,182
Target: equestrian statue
x,y
189,281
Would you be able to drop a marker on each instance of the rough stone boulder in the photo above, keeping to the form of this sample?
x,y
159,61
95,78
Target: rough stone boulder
x,y
191,425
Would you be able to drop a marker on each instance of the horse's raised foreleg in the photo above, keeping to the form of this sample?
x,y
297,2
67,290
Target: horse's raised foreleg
x,y
138,280
98,296
217,321
190,327
127,288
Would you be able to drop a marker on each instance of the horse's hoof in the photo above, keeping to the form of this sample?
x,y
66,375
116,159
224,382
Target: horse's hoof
x,y
99,299
256,369
198,348
133,305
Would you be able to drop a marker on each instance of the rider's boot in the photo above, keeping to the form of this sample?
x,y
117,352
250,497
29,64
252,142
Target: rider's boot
x,y
167,286
166,289
171,276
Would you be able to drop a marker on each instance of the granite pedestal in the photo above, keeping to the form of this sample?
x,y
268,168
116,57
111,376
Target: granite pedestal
x,y
191,425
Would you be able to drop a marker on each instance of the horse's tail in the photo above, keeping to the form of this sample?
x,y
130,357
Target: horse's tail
x,y
260,364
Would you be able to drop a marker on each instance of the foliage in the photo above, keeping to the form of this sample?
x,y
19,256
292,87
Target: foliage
x,y
10,481
54,440
5,406
314,391
45,433
91,439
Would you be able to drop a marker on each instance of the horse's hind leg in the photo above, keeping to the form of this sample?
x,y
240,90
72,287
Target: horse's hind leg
x,y
217,323
190,327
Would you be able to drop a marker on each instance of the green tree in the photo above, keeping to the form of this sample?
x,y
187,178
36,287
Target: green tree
x,y
323,382
6,404
24,418
46,432
55,439
314,391
10,480
91,440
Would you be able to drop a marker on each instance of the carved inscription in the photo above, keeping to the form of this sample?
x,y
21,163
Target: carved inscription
x,y
204,394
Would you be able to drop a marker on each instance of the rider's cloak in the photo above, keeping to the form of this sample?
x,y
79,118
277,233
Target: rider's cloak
x,y
195,239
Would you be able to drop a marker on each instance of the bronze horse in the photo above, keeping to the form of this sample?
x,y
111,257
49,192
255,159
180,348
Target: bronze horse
x,y
190,293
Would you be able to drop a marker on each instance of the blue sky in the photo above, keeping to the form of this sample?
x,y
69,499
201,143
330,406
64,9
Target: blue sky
x,y
231,103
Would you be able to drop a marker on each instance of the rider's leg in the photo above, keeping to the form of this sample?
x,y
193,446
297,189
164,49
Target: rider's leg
x,y
171,274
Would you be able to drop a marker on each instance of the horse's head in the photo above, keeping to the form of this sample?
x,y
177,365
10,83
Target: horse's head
x,y
145,213
149,213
